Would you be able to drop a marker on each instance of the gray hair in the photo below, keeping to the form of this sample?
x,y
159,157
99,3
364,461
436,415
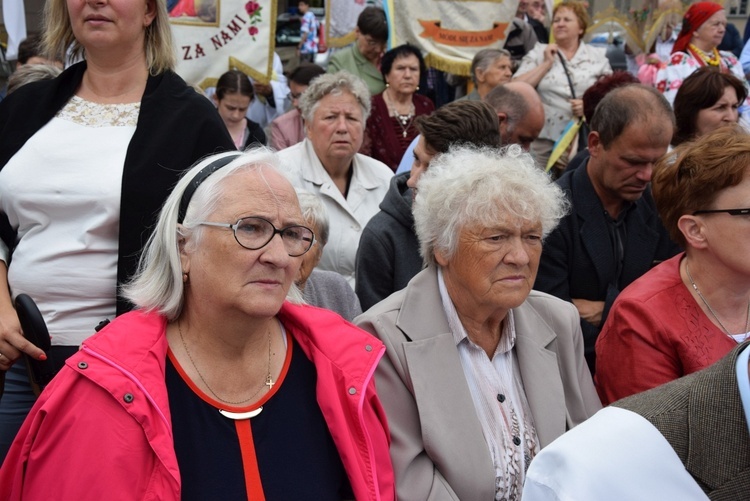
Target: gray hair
x,y
476,186
336,84
484,58
158,285
506,100
31,73
315,214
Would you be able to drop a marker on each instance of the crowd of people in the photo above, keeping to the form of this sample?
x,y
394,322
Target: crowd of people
x,y
456,290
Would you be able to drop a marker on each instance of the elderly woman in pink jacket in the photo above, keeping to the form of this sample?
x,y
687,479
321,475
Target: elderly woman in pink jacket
x,y
218,387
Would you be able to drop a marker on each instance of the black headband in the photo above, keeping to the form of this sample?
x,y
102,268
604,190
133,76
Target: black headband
x,y
197,180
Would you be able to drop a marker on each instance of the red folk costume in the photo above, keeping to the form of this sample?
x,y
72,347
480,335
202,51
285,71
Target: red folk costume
x,y
686,57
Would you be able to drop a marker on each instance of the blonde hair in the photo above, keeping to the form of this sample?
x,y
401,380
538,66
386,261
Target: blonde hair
x,y
579,10
59,39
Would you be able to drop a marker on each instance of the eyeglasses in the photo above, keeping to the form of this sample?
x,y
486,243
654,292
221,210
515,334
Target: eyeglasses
x,y
254,233
731,212
371,42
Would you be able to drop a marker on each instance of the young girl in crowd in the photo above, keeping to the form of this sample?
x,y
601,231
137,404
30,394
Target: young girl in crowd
x,y
234,93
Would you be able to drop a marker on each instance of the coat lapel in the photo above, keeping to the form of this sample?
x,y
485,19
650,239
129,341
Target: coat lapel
x,y
451,430
540,373
593,229
315,173
719,443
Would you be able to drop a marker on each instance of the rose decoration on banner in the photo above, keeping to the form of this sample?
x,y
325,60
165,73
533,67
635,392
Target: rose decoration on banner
x,y
213,36
253,10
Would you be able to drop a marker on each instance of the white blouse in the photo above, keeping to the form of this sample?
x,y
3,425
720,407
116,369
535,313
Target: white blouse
x,y
588,64
61,191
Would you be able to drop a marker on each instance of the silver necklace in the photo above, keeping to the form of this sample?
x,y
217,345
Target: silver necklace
x,y
404,121
268,382
711,310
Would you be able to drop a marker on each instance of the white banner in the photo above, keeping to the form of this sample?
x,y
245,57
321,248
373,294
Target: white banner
x,y
14,17
214,36
450,32
341,19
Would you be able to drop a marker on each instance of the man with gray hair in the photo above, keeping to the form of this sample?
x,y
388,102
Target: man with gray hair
x,y
613,234
489,68
520,112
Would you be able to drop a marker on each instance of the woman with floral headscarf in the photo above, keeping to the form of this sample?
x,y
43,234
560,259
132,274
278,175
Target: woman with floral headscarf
x,y
703,28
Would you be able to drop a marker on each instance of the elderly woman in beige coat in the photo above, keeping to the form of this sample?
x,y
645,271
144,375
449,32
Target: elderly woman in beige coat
x,y
480,371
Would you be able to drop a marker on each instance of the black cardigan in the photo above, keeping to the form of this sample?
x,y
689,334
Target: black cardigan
x,y
176,127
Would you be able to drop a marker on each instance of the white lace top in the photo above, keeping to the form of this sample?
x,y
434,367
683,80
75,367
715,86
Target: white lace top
x,y
61,191
499,400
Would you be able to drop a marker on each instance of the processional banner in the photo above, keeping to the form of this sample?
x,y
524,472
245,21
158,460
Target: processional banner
x,y
341,20
214,36
450,32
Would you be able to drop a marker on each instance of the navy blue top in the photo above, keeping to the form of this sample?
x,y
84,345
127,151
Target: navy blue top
x,y
285,452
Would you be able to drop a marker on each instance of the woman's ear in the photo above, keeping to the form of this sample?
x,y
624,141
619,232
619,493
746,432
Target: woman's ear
x,y
693,229
440,258
150,13
181,245
480,75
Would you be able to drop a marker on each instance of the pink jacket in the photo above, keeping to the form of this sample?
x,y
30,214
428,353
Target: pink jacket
x,y
102,429
287,130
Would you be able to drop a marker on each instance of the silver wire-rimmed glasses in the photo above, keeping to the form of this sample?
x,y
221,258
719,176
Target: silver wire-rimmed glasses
x,y
255,232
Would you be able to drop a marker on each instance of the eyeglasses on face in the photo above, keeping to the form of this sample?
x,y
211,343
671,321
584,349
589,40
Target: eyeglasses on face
x,y
731,212
371,42
254,233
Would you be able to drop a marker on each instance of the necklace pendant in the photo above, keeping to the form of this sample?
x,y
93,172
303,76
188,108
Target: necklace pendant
x,y
404,134
269,382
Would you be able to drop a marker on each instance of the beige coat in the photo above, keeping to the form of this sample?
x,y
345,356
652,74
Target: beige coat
x,y
438,449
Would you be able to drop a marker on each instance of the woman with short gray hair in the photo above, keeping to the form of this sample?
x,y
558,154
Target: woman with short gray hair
x,y
500,182
480,371
327,163
336,84
489,68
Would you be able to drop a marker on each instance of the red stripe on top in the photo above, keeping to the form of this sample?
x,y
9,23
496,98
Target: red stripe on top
x,y
253,484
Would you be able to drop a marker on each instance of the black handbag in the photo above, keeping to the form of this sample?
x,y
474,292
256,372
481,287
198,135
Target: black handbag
x,y
35,330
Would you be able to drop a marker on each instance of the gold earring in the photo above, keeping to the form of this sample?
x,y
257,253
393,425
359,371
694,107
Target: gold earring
x,y
185,277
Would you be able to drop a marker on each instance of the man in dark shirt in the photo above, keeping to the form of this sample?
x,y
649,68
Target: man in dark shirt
x,y
613,234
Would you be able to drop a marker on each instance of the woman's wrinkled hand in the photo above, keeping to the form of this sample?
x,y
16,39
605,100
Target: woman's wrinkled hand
x,y
12,342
